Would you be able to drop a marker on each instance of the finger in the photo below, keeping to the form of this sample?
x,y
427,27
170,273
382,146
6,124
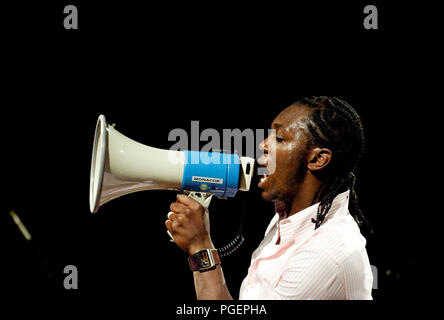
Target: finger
x,y
171,215
173,225
185,200
169,225
179,208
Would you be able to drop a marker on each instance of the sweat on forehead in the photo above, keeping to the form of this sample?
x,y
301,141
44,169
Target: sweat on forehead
x,y
293,117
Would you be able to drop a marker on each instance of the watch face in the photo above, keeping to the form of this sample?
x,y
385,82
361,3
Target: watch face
x,y
204,258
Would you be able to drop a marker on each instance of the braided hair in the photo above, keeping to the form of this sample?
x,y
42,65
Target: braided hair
x,y
334,124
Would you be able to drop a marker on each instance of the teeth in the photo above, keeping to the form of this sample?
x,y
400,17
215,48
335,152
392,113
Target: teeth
x,y
265,177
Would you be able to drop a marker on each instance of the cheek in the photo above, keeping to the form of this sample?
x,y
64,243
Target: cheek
x,y
290,160
287,154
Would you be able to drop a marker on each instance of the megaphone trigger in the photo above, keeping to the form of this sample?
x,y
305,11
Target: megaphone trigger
x,y
204,198
171,236
168,231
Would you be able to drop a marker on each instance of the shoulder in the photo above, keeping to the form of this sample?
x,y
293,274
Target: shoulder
x,y
339,240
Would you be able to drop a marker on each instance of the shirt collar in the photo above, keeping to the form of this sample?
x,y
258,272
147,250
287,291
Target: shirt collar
x,y
300,224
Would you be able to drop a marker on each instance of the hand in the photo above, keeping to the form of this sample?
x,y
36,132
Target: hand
x,y
189,225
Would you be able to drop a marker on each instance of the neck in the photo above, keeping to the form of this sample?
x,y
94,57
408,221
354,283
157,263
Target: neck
x,y
304,197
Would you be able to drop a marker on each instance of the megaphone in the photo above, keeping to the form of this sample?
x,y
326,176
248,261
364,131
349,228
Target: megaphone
x,y
120,165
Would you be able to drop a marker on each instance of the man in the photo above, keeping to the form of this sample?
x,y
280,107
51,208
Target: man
x,y
313,248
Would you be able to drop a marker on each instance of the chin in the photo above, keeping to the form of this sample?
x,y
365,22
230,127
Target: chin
x,y
269,196
276,195
264,194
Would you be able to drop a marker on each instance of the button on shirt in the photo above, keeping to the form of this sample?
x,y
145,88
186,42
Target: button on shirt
x,y
329,263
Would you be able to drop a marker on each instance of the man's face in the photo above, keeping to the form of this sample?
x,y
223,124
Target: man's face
x,y
285,154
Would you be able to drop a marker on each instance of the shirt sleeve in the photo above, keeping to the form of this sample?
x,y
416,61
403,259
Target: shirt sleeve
x,y
309,275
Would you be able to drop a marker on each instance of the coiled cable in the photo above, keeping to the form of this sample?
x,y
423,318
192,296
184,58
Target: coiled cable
x,y
237,242
232,246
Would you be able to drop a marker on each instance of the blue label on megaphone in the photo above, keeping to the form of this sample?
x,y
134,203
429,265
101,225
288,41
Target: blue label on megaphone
x,y
213,172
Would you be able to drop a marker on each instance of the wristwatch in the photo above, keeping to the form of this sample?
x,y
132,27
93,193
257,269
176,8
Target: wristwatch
x,y
204,260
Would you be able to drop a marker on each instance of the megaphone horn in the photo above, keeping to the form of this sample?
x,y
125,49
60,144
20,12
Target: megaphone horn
x,y
121,166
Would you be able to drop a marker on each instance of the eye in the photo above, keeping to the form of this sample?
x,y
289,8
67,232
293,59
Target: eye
x,y
279,139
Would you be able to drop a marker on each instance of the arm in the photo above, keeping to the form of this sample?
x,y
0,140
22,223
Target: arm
x,y
211,285
186,223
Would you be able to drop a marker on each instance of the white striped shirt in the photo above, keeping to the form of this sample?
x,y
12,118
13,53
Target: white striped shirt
x,y
328,263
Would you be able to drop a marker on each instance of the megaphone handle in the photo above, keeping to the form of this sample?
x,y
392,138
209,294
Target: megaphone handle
x,y
204,198
171,236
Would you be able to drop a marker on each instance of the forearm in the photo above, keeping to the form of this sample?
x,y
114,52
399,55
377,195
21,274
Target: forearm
x,y
211,285
189,225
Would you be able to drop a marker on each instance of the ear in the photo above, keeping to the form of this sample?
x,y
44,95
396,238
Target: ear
x,y
319,158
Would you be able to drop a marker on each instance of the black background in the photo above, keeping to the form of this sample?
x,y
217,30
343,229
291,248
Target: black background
x,y
157,67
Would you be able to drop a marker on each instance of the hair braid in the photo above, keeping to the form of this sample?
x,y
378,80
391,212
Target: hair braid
x,y
336,125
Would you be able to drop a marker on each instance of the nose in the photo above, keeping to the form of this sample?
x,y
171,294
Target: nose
x,y
263,146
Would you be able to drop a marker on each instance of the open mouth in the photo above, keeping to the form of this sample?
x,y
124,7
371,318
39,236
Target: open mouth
x,y
266,173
